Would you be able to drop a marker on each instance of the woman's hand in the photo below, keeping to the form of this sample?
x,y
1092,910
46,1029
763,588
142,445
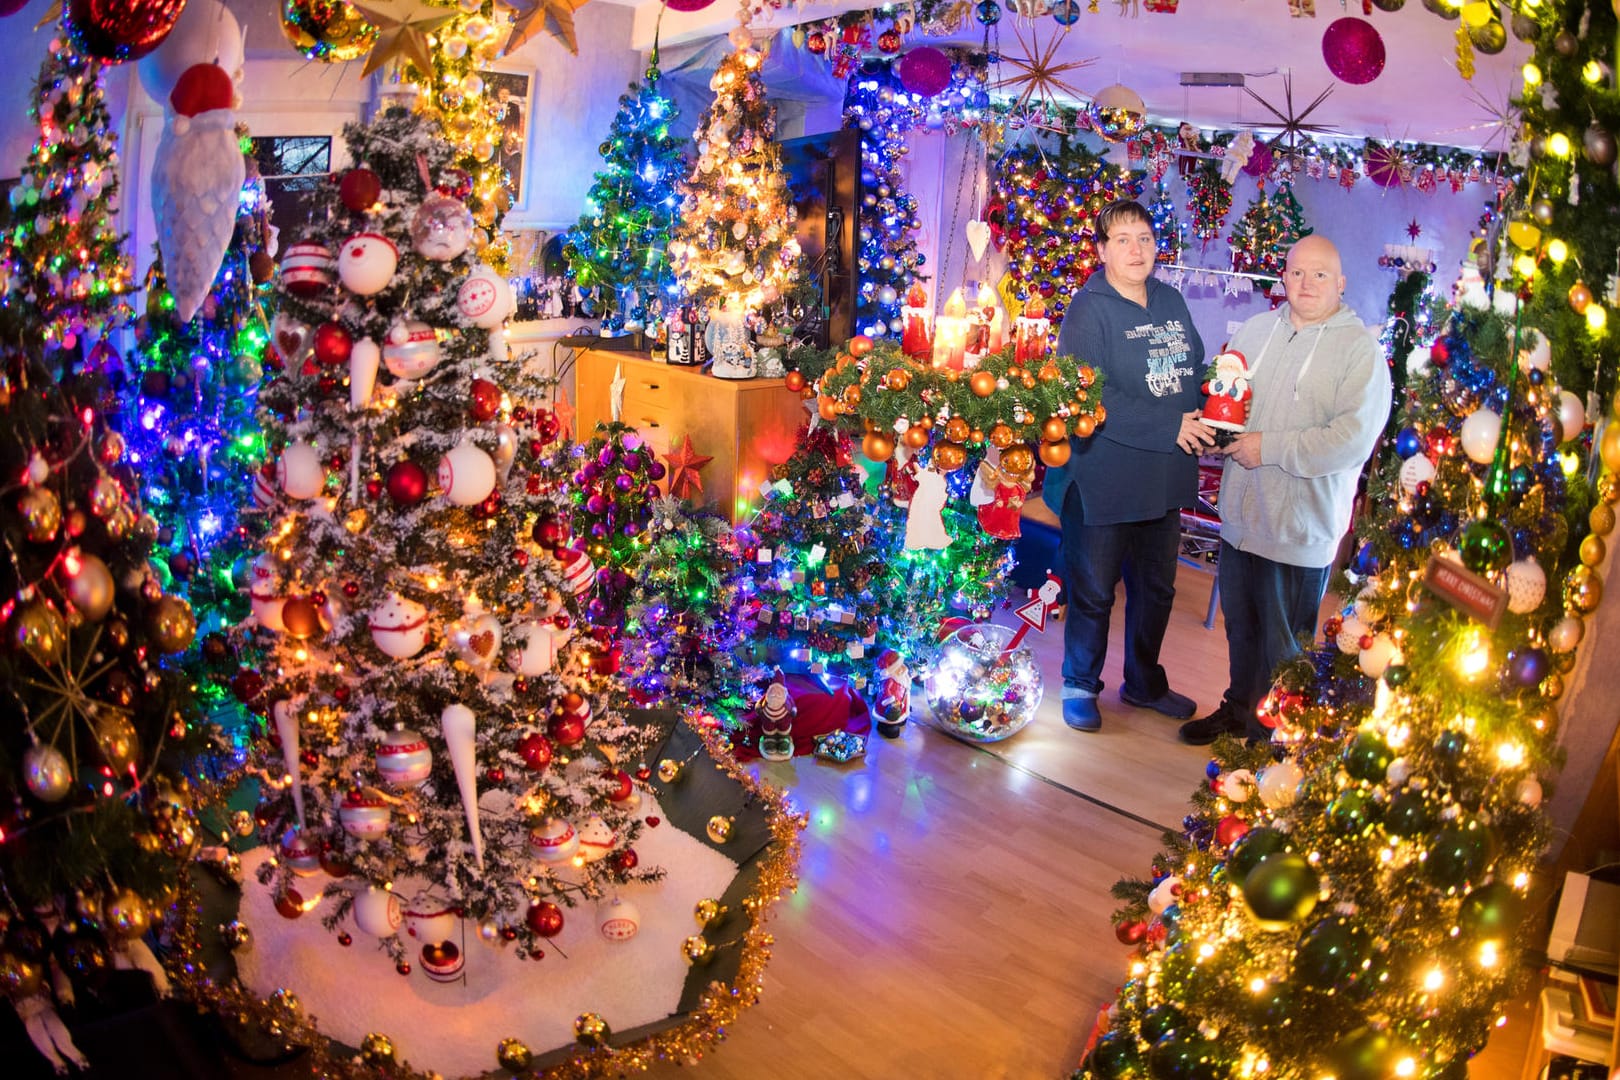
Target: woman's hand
x,y
1195,436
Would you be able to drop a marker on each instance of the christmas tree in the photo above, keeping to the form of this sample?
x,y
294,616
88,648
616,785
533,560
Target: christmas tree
x,y
1269,227
1209,200
615,483
734,246
418,637
1166,229
61,261
883,111
620,246
1349,900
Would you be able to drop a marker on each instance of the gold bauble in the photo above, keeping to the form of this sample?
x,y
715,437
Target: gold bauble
x,y
1001,436
1609,447
1055,455
720,828
957,429
91,589
697,950
669,770
877,447
916,436
242,823
591,1030
1553,686
1583,590
949,456
1592,550
236,935
852,395
117,739
285,1001
1056,429
1018,459
126,915
38,629
41,513
46,772
171,624
513,1055
1601,519
301,618
982,383
1608,488
708,912
327,30
19,978
106,496
377,1049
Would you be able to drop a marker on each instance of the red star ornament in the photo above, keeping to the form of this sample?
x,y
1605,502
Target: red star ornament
x,y
564,411
684,463
1414,230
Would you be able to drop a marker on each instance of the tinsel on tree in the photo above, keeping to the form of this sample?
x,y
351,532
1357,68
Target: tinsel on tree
x,y
620,245
817,558
1051,202
1166,228
1268,228
62,262
1350,900
1209,200
418,632
887,259
734,244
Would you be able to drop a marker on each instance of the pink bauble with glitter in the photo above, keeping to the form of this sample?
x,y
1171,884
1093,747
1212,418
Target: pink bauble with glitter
x,y
1354,51
924,71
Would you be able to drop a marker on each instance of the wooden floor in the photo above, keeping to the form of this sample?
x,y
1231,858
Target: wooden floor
x,y
952,918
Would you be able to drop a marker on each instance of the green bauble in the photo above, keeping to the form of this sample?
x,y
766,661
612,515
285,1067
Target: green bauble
x,y
1115,1057
1458,854
1396,675
1409,814
1188,1057
1449,747
1490,911
1364,1054
1353,812
1367,756
1273,1005
1485,546
1251,851
1160,1021
1331,953
1281,891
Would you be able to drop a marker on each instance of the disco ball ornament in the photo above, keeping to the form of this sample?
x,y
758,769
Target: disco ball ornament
x,y
1117,113
980,691
327,30
1485,546
1354,51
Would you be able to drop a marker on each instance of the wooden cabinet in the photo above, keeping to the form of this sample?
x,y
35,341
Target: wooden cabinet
x,y
745,425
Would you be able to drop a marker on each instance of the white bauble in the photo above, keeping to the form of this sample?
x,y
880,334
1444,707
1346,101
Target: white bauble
x,y
477,639
553,841
300,471
485,298
399,626
618,919
1526,586
364,359
432,924
1279,784
1571,416
1565,634
1363,606
1415,470
1480,432
1351,631
534,647
367,263
377,912
1398,772
1238,785
301,854
466,475
1378,656
1528,792
1537,352
596,839
293,339
412,349
1164,894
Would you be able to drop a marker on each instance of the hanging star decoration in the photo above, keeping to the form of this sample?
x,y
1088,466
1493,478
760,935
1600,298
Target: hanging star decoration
x,y
1039,77
1295,134
1501,122
534,17
684,463
1414,230
403,28
68,683
564,411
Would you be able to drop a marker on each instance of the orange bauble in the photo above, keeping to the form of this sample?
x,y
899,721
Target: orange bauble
x,y
852,395
1055,429
878,447
828,408
1100,413
1087,375
1580,297
976,436
1050,373
982,383
1055,454
860,345
1018,459
795,381
1084,425
898,379
1028,380
957,430
949,456
1001,436
916,436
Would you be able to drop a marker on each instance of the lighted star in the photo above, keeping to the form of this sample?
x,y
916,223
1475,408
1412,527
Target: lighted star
x,y
1414,230
1039,77
684,463
403,28
554,17
1295,134
616,394
564,411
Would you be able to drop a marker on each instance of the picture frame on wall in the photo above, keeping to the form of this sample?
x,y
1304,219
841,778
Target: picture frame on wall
x,y
514,89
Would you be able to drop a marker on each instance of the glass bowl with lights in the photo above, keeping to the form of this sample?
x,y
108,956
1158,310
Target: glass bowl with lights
x,y
982,688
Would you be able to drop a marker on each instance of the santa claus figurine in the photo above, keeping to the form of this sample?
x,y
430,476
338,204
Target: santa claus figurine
x,y
893,704
775,712
1226,408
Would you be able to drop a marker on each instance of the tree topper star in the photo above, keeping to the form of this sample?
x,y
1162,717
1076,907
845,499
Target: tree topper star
x,y
534,17
684,463
403,27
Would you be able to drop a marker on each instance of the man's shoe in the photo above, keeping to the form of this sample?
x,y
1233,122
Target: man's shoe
x,y
1174,705
1206,729
1081,713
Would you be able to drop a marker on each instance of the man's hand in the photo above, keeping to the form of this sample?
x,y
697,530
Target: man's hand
x,y
1195,436
1245,449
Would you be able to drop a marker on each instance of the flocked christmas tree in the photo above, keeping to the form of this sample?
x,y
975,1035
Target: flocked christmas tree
x,y
620,245
1268,228
1350,900
62,261
878,106
416,630
734,246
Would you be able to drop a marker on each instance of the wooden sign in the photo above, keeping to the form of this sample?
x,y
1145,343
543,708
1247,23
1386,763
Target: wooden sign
x,y
1465,590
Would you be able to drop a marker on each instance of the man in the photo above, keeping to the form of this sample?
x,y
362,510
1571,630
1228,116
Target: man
x,y
1321,396
1120,496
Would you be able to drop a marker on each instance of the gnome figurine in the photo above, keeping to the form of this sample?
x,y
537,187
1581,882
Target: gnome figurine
x,y
776,712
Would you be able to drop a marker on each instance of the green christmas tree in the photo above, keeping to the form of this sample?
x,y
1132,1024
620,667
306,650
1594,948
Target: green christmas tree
x,y
1350,900
1268,228
619,246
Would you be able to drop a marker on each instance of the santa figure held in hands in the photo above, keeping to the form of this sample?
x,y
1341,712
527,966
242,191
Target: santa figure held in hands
x,y
1226,408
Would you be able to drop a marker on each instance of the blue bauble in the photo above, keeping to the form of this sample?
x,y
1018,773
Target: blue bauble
x,y
1521,480
1528,667
1408,442
1366,563
1066,12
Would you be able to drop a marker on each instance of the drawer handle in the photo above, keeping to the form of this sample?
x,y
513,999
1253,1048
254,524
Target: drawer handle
x,y
650,385
649,421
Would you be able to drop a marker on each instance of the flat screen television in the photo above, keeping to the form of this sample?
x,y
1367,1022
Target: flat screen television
x,y
824,175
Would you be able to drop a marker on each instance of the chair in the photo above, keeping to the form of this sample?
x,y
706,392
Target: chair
x,y
1201,530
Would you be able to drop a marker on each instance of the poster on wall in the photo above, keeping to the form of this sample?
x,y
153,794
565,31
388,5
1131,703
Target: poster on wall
x,y
511,89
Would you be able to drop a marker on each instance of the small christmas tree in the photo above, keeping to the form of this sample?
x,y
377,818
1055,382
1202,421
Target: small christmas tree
x,y
620,245
883,111
62,260
1269,227
1166,229
1209,200
615,483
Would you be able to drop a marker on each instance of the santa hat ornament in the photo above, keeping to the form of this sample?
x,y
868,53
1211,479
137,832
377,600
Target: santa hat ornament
x,y
196,183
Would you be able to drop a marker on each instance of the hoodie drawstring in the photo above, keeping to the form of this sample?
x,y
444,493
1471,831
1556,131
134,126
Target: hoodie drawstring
x,y
1303,368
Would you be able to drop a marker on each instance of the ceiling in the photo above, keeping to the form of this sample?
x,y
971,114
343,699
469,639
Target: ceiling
x,y
1419,97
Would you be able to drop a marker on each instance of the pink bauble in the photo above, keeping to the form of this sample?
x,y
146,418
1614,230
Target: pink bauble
x,y
924,71
688,5
1260,160
1353,50
11,7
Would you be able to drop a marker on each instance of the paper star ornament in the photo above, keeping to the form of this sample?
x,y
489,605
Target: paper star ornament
x,y
564,411
403,27
554,17
684,463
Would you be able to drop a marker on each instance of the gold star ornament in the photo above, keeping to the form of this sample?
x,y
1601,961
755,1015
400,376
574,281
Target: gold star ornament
x,y
1039,77
535,17
403,26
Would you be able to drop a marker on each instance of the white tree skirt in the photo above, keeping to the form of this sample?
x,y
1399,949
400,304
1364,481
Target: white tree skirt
x,y
453,1028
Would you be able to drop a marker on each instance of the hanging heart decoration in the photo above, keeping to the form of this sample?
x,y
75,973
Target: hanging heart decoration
x,y
978,238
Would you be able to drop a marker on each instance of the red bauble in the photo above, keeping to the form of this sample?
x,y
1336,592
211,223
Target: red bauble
x,y
535,749
623,789
407,483
550,532
345,940
689,5
1130,932
1440,354
1230,829
486,400
567,728
290,905
497,775
120,30
248,685
374,488
332,344
403,967
360,189
1354,51
520,558
545,919
624,860
1156,933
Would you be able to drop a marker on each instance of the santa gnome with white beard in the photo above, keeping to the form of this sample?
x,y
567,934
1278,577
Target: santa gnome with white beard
x,y
197,182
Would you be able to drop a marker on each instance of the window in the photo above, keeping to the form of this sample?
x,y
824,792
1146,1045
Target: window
x,y
292,167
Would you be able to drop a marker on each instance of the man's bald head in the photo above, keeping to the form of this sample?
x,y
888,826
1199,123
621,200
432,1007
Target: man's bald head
x,y
1314,280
